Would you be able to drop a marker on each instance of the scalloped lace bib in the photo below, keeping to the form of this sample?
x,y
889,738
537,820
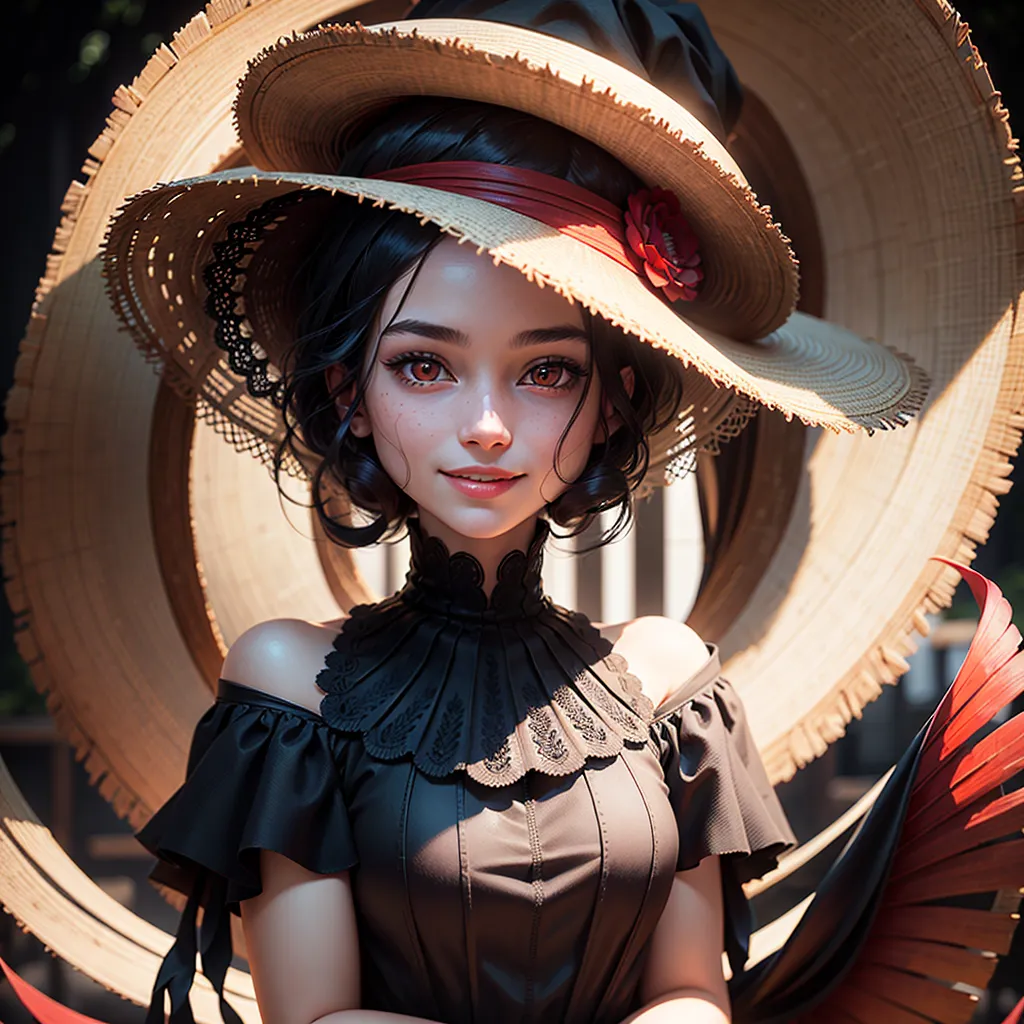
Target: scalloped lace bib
x,y
496,687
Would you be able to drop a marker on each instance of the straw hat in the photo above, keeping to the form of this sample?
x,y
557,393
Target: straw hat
x,y
137,544
303,95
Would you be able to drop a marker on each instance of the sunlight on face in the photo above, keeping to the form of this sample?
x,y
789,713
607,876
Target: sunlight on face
x,y
477,375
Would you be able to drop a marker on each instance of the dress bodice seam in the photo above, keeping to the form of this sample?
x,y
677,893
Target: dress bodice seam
x,y
630,948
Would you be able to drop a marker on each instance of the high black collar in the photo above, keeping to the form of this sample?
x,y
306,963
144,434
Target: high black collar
x,y
497,687
452,584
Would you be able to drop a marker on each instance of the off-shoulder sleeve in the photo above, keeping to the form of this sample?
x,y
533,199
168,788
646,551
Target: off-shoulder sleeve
x,y
723,802
262,775
718,786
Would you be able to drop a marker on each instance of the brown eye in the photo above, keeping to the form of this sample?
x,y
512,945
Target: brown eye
x,y
553,376
546,375
416,368
424,370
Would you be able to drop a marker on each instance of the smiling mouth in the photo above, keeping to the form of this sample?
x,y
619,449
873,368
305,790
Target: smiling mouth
x,y
481,484
482,477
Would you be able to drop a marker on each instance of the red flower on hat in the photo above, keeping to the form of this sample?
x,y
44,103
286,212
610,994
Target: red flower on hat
x,y
661,237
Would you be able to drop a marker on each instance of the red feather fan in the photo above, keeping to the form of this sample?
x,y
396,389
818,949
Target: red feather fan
x,y
961,837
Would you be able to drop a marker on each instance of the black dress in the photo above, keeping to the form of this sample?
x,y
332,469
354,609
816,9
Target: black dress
x,y
510,805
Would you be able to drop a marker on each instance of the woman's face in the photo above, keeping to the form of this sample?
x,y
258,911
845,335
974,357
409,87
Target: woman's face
x,y
471,387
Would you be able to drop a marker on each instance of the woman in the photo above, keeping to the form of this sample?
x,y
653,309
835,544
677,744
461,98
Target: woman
x,y
450,394
465,803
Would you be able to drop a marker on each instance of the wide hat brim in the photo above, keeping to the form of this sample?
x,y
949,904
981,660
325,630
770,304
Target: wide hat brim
x,y
164,238
302,98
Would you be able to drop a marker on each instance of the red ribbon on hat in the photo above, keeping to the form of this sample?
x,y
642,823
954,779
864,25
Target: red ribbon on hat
x,y
651,237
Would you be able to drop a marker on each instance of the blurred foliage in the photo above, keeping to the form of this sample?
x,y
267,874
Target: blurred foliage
x,y
990,19
1010,579
60,62
17,694
64,58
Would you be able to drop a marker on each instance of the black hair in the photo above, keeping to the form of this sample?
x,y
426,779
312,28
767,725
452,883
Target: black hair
x,y
363,250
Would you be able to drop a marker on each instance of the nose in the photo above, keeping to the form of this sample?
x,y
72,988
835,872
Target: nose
x,y
485,428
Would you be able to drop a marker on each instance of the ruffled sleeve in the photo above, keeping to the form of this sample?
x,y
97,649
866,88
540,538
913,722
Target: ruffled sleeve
x,y
723,802
262,774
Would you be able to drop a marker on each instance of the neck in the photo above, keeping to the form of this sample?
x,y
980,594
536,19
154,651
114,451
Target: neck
x,y
488,551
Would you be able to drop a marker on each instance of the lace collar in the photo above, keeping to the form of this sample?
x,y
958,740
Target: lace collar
x,y
494,687
453,584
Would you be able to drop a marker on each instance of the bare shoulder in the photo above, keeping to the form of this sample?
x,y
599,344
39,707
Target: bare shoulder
x,y
662,653
282,657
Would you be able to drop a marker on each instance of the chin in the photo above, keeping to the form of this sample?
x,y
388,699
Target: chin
x,y
482,523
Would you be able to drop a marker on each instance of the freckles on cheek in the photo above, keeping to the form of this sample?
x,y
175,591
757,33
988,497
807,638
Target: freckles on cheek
x,y
388,419
405,424
575,449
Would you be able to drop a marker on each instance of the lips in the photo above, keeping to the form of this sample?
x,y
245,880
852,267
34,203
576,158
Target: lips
x,y
483,473
481,482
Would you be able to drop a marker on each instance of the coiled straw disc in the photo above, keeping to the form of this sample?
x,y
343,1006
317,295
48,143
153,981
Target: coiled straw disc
x,y
132,552
907,153
99,557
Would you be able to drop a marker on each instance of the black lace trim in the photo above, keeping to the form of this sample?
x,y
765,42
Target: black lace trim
x,y
494,687
224,277
453,583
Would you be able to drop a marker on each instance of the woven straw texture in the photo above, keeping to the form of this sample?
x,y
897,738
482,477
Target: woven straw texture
x,y
750,283
909,160
918,189
160,243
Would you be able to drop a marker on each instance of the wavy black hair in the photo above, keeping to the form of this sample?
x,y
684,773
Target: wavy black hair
x,y
363,250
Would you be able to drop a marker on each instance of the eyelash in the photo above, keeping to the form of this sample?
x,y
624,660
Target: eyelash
x,y
397,363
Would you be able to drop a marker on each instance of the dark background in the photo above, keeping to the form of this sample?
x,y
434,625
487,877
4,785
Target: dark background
x,y
59,65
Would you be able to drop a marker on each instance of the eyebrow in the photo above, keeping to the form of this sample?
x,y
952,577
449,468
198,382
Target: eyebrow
x,y
437,332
